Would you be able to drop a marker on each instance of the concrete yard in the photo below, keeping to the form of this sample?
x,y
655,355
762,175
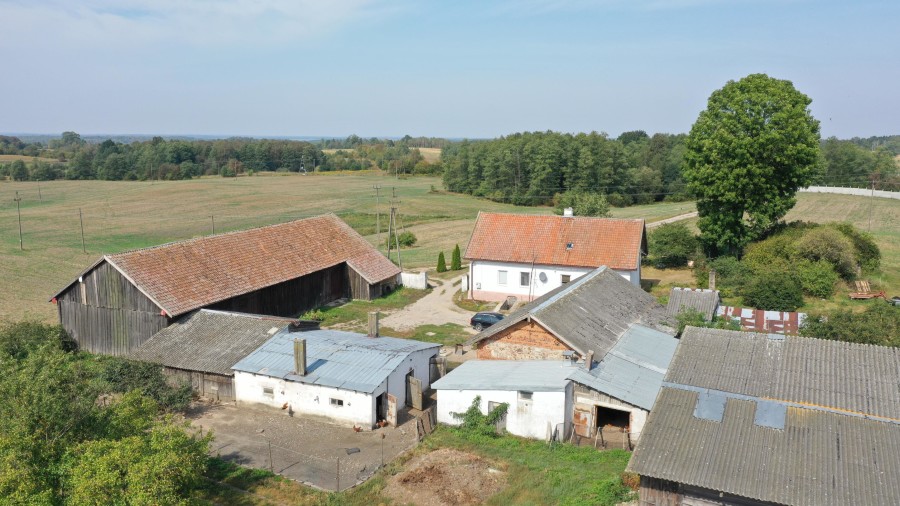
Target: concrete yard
x,y
302,449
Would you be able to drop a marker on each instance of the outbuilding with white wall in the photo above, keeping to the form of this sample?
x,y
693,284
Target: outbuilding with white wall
x,y
538,393
348,378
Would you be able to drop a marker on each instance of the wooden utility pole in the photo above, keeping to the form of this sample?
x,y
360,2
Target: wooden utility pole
x,y
213,220
81,220
377,188
19,213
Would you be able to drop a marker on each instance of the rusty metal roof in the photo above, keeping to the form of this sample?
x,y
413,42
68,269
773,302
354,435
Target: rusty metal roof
x,y
209,341
703,300
575,241
784,419
186,275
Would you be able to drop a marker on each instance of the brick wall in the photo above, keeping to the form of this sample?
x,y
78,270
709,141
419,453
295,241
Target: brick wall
x,y
523,341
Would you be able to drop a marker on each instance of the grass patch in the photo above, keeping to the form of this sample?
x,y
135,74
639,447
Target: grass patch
x,y
448,334
354,315
459,298
231,484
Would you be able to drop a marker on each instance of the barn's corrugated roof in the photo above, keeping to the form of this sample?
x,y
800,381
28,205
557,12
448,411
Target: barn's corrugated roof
x,y
187,275
575,241
208,341
334,358
634,368
703,300
590,313
805,421
525,375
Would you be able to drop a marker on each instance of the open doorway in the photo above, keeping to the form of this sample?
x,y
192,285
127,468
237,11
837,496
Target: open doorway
x,y
380,408
612,427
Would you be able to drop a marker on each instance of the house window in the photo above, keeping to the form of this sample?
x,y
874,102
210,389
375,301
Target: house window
x,y
525,396
337,402
501,277
565,278
269,392
525,278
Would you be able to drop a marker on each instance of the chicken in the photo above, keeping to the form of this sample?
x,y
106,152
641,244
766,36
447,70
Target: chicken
x,y
285,406
357,429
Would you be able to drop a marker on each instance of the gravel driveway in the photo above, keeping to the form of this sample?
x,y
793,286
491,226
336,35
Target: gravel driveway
x,y
436,308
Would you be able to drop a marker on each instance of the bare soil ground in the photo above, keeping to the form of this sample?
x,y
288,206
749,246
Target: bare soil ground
x,y
435,308
447,476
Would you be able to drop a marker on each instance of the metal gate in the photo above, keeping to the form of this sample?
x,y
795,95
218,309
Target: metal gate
x,y
414,392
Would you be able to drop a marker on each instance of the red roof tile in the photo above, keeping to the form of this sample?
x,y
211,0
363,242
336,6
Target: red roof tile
x,y
545,240
187,275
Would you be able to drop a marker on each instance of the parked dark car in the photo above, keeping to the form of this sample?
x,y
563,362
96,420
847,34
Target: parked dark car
x,y
482,321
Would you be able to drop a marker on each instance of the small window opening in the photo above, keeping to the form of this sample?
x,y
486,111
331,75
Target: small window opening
x,y
525,278
337,402
525,396
565,278
269,391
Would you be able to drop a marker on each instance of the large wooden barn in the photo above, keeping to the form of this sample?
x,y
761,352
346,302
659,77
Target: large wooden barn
x,y
280,270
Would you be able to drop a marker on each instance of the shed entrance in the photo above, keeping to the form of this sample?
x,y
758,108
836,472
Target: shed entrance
x,y
612,426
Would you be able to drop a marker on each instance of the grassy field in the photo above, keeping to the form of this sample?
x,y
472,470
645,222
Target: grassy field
x,y
537,474
26,159
121,215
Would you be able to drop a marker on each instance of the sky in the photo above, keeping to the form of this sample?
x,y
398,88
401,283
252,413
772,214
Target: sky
x,y
475,69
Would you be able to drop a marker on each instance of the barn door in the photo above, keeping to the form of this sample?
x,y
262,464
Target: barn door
x,y
413,391
392,410
437,368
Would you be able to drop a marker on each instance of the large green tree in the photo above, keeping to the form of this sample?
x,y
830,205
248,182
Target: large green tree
x,y
747,155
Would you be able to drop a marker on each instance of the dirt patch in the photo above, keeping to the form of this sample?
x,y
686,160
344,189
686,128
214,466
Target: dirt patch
x,y
447,476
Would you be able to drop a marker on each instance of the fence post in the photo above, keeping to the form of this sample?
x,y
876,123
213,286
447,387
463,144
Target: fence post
x,y
338,475
271,463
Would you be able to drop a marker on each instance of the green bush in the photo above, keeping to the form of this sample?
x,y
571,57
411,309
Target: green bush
x,y
773,291
456,260
442,264
826,243
475,424
126,375
816,278
867,253
878,324
731,275
406,240
672,245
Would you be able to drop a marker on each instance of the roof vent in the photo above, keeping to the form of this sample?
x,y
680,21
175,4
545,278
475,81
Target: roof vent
x,y
568,212
569,245
710,406
568,357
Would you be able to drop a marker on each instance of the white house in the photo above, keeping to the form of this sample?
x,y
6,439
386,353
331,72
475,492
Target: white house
x,y
348,378
538,393
527,256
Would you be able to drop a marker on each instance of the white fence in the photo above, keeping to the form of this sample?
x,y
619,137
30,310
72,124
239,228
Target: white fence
x,y
417,280
862,192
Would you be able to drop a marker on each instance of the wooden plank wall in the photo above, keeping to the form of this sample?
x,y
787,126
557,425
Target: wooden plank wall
x,y
210,386
105,313
360,289
292,297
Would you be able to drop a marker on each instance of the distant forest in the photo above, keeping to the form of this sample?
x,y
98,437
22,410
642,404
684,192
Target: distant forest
x,y
530,168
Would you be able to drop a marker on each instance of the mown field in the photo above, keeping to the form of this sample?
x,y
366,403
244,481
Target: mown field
x,y
120,215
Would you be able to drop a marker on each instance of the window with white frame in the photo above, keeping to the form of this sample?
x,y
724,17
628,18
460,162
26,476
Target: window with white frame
x,y
565,278
525,396
524,278
269,392
501,277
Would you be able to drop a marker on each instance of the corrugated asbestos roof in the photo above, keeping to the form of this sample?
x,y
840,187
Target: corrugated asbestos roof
x,y
590,313
805,421
334,358
525,375
575,241
634,368
187,275
208,341
703,300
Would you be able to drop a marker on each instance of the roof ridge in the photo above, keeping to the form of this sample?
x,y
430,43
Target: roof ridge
x,y
558,216
246,315
223,234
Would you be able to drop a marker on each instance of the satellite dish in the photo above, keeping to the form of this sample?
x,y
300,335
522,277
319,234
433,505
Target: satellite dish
x,y
543,277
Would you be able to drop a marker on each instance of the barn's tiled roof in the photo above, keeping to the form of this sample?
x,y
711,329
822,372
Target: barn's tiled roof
x,y
187,275
209,341
783,419
574,241
590,313
703,300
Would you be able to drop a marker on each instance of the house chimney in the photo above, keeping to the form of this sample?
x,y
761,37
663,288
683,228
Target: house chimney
x,y
568,212
373,324
300,356
589,360
712,279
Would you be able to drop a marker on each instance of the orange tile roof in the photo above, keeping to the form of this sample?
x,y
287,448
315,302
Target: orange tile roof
x,y
522,238
186,275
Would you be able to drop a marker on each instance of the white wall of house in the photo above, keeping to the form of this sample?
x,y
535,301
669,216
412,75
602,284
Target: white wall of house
x,y
488,282
354,408
532,418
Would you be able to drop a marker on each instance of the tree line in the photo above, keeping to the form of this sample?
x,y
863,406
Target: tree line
x,y
355,141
